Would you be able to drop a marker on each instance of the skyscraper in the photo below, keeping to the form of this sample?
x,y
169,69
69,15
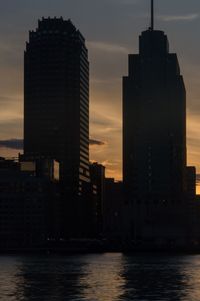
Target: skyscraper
x,y
56,102
154,133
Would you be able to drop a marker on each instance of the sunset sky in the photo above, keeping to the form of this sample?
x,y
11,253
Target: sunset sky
x,y
111,29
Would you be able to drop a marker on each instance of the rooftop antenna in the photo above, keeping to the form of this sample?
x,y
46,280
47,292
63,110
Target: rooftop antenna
x,y
152,15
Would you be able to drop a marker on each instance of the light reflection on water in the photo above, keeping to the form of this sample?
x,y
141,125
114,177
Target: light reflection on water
x,y
100,277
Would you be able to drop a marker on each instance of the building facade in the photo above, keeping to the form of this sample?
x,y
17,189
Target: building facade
x,y
114,214
27,205
56,106
56,98
97,173
154,140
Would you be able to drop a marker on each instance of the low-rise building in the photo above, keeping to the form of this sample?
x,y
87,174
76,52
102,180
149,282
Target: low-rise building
x,y
27,205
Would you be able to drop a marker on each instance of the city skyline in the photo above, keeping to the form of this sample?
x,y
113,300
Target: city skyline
x,y
107,54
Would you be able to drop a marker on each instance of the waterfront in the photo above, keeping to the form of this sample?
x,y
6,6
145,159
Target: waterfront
x,y
100,277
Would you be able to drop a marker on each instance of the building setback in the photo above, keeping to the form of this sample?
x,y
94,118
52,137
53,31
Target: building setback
x,y
154,121
154,140
56,105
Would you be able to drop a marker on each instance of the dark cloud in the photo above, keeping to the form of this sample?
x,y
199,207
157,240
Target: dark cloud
x,y
96,142
18,143
12,143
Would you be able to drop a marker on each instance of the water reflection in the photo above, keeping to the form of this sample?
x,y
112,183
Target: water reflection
x,y
49,278
89,277
155,278
103,277
191,269
8,281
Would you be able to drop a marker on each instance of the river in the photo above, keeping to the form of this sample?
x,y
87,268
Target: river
x,y
100,277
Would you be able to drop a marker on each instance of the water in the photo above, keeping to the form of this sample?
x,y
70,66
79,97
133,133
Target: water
x,y
102,277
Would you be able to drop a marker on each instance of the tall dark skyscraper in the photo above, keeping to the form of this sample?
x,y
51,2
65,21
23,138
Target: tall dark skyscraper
x,y
56,98
154,120
154,131
56,101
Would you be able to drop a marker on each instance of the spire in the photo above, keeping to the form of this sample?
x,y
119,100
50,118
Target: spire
x,y
152,15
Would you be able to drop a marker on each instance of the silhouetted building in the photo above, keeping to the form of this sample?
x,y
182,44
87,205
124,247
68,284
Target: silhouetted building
x,y
154,122
113,210
56,110
196,218
97,173
193,204
154,142
27,205
191,182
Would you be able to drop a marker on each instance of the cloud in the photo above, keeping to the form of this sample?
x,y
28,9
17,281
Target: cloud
x,y
15,143
10,127
105,81
12,143
107,47
125,2
108,163
189,17
96,142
